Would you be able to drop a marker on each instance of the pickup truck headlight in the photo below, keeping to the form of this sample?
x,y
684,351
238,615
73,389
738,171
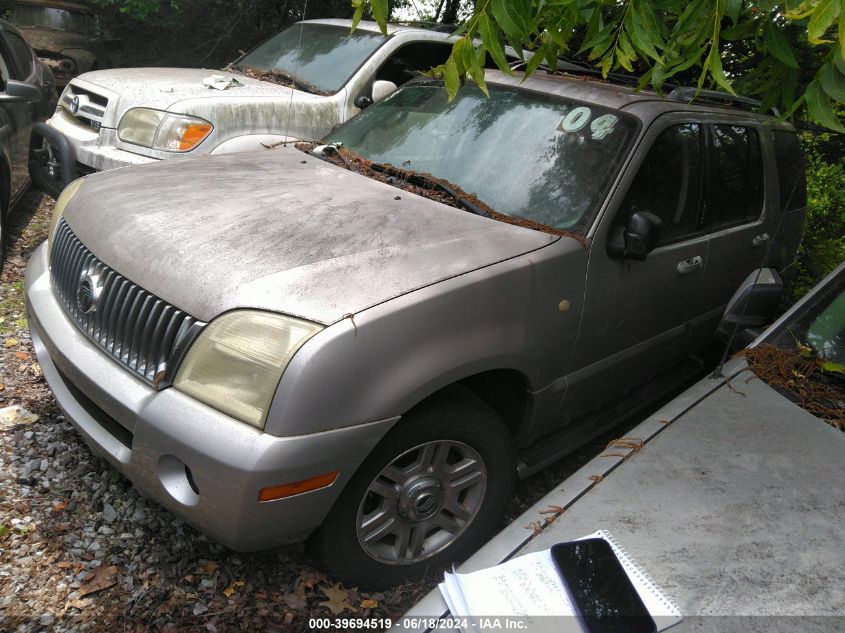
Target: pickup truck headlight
x,y
236,363
59,209
162,130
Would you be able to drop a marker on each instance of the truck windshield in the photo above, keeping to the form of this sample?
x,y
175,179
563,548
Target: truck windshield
x,y
318,55
48,17
526,155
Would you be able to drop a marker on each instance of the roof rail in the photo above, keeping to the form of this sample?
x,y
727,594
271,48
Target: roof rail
x,y
688,94
438,27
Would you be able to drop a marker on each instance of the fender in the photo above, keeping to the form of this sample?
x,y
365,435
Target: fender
x,y
250,143
48,175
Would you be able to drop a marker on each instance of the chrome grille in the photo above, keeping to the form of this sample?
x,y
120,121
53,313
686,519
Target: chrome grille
x,y
145,334
90,107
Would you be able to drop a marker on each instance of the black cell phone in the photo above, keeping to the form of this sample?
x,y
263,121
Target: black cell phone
x,y
600,590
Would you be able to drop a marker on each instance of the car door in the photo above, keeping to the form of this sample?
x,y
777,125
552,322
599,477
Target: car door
x,y
19,63
738,217
398,62
637,314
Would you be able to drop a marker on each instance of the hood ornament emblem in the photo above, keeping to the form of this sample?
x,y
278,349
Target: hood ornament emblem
x,y
74,105
88,292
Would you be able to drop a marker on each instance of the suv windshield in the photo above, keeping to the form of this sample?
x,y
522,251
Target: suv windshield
x,y
820,327
804,358
48,17
526,155
316,55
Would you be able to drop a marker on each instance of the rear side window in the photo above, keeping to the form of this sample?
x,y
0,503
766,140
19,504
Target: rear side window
x,y
791,176
669,181
736,177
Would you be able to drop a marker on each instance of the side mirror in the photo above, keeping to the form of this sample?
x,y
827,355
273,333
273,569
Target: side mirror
x,y
363,101
637,238
383,89
20,91
753,306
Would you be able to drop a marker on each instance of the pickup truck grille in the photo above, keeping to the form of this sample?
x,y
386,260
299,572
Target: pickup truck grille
x,y
143,333
87,107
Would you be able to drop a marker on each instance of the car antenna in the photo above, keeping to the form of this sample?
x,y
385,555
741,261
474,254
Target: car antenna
x,y
296,65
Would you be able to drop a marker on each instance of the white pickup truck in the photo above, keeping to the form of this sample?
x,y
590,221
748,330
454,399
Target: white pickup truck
x,y
298,84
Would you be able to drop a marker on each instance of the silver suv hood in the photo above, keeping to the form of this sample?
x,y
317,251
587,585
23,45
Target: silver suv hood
x,y
164,88
279,230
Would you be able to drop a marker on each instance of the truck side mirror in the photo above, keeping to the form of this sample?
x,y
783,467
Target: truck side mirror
x,y
753,307
637,238
383,89
363,101
21,91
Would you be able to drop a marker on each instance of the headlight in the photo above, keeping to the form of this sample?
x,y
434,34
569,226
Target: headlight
x,y
59,210
161,130
236,363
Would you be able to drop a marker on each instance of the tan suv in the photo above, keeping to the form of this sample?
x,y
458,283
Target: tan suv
x,y
364,341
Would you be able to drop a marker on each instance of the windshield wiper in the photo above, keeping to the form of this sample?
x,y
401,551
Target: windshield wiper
x,y
422,179
396,176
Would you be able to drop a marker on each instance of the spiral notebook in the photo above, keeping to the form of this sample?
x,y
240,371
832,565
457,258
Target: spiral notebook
x,y
529,586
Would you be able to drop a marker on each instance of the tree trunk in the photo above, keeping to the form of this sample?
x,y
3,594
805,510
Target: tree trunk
x,y
450,13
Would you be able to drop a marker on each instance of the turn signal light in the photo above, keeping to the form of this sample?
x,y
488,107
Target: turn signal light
x,y
298,487
193,135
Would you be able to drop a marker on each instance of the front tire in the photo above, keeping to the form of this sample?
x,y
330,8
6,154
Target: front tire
x,y
429,495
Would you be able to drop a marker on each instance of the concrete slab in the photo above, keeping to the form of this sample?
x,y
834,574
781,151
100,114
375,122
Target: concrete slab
x,y
730,498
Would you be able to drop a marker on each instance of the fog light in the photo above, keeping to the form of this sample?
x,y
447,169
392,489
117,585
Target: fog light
x,y
178,480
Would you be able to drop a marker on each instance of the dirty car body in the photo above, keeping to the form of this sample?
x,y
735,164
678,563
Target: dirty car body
x,y
299,84
306,350
64,35
27,95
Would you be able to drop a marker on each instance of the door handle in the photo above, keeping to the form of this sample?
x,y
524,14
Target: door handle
x,y
690,265
759,240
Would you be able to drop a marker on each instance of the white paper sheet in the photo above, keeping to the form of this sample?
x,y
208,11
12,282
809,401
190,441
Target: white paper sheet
x,y
531,586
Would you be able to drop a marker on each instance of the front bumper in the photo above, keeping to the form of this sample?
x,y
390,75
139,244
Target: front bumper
x,y
198,463
95,150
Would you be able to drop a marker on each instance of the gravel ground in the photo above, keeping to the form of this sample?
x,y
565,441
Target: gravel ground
x,y
80,550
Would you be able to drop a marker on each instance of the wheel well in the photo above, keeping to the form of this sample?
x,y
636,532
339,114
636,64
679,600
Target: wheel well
x,y
503,390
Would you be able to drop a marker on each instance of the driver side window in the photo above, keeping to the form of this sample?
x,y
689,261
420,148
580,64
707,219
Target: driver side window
x,y
669,183
412,60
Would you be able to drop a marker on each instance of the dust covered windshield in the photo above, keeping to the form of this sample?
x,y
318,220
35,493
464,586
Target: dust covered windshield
x,y
318,55
526,155
48,17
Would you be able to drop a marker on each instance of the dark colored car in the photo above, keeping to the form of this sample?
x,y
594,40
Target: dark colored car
x,y
27,95
65,36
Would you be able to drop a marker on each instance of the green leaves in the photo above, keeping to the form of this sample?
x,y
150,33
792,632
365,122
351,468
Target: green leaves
x,y
778,45
359,13
823,16
661,39
514,18
820,109
492,43
452,77
833,82
380,11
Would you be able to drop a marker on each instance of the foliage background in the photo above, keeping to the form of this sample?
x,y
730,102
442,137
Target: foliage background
x,y
212,33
